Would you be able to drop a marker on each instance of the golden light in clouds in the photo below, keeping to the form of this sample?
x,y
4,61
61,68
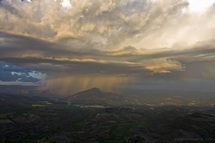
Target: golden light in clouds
x,y
200,5
66,4
96,40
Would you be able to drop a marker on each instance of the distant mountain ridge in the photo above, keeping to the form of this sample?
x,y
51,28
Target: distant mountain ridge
x,y
93,91
95,96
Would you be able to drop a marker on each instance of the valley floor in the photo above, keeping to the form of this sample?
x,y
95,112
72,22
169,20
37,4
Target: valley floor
x,y
62,123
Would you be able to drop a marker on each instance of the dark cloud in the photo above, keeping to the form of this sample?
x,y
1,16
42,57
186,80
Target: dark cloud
x,y
23,50
95,40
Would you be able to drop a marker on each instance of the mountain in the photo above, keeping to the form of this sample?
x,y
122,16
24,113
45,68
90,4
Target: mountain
x,y
95,96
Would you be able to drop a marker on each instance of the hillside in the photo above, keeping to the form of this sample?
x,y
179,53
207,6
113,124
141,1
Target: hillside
x,y
95,96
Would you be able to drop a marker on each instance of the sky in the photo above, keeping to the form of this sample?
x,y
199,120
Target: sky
x,y
66,46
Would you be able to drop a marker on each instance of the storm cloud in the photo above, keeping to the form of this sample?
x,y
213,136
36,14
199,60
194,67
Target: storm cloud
x,y
109,44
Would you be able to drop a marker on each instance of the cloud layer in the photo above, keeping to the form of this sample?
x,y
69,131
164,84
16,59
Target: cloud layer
x,y
83,44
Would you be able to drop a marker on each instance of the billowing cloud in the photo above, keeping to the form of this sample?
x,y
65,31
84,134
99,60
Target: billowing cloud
x,y
118,41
